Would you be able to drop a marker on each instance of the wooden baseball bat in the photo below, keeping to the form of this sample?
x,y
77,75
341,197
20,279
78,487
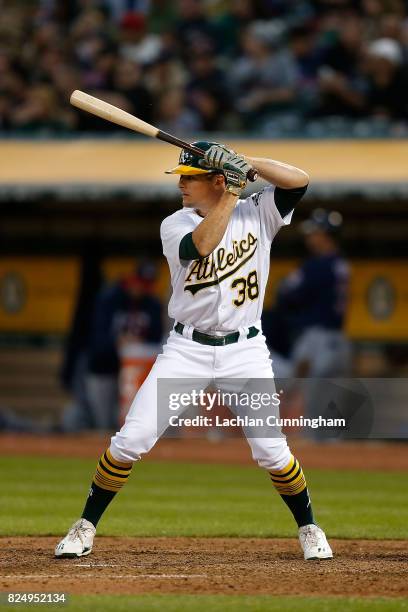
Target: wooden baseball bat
x,y
107,111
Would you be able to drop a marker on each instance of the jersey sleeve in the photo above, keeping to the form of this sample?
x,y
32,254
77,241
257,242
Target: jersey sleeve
x,y
172,231
270,218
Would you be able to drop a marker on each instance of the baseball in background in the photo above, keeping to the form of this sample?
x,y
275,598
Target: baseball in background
x,y
88,269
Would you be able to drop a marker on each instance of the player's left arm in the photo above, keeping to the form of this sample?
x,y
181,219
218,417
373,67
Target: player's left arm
x,y
291,182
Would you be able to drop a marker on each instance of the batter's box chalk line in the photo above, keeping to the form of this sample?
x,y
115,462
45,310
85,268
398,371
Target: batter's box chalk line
x,y
104,576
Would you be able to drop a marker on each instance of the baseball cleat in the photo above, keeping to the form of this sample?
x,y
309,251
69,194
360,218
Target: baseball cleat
x,y
314,544
78,541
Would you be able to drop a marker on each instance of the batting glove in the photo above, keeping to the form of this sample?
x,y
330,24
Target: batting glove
x,y
234,167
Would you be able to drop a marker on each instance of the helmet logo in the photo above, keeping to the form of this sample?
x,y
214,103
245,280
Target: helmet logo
x,y
185,158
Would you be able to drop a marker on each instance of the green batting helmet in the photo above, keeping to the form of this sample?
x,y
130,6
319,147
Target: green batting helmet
x,y
189,163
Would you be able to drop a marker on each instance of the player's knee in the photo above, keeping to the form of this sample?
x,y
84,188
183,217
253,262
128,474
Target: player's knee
x,y
120,451
131,446
272,456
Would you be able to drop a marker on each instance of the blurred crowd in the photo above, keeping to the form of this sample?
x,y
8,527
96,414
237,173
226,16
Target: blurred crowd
x,y
204,65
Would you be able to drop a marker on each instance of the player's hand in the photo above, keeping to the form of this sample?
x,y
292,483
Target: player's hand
x,y
216,156
235,181
234,167
221,158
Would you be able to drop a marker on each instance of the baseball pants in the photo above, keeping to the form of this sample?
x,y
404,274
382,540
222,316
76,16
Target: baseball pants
x,y
182,358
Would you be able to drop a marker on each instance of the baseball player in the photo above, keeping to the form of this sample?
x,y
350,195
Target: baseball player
x,y
217,247
321,349
313,301
314,298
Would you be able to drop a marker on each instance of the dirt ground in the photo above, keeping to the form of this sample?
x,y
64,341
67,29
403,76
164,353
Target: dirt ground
x,y
205,565
342,456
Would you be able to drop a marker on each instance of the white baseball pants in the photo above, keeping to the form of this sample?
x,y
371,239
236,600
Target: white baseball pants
x,y
183,358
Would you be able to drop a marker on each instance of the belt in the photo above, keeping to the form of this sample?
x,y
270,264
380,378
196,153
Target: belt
x,y
216,340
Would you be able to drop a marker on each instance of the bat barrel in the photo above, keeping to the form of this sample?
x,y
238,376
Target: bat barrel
x,y
107,111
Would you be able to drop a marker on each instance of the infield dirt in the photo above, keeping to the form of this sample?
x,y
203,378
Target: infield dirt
x,y
205,565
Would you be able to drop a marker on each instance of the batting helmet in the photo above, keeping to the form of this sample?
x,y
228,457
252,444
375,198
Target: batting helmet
x,y
189,163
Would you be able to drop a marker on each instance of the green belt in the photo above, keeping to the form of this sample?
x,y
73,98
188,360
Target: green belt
x,y
216,340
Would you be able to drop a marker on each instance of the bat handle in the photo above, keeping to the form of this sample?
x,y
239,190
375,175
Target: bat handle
x,y
252,175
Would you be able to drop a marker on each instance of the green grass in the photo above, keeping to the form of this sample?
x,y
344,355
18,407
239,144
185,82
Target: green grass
x,y
224,603
42,496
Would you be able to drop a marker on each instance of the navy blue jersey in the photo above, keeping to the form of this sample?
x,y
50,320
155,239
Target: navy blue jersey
x,y
115,313
316,293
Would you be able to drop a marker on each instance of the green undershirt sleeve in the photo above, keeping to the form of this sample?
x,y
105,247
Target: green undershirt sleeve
x,y
286,199
187,248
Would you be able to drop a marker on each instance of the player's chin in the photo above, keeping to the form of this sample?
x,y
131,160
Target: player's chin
x,y
187,201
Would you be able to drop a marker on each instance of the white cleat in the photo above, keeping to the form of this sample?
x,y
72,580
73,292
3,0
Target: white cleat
x,y
78,541
314,544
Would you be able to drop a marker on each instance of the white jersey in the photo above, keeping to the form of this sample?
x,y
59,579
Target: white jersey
x,y
225,291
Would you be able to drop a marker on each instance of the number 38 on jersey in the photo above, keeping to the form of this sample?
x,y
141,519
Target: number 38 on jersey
x,y
247,288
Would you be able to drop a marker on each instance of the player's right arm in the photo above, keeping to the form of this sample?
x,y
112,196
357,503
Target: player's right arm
x,y
208,234
183,240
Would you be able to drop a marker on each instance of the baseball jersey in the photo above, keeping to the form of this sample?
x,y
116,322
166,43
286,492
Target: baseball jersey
x,y
316,294
223,292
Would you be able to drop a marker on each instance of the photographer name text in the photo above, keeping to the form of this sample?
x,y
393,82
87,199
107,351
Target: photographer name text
x,y
247,421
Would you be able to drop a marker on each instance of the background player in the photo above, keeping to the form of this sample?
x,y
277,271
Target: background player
x,y
217,247
311,306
